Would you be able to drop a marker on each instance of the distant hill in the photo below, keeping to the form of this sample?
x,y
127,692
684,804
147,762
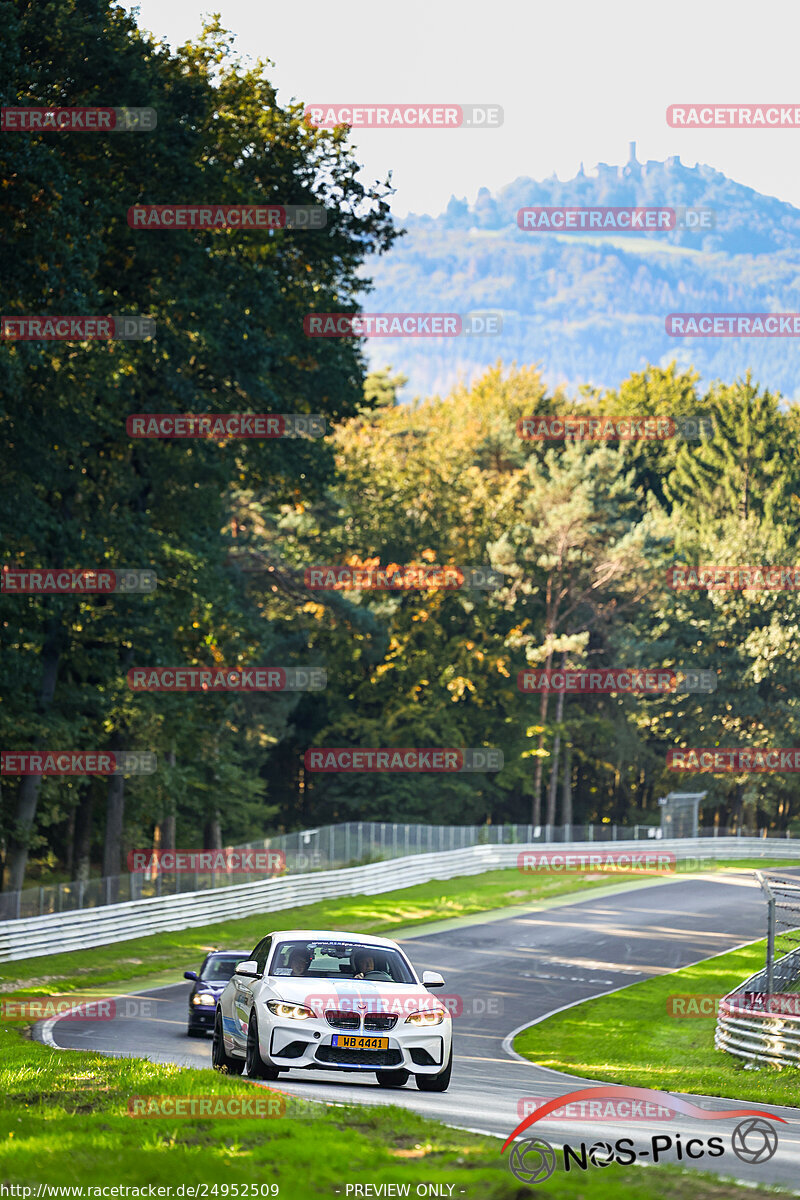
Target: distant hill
x,y
590,307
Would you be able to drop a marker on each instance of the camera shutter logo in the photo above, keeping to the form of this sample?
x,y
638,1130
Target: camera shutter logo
x,y
754,1140
601,1154
532,1161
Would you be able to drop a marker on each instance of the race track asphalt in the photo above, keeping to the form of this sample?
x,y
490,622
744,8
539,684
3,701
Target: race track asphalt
x,y
509,972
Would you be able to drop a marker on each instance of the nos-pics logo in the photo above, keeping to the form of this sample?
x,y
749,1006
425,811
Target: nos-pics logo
x,y
533,1160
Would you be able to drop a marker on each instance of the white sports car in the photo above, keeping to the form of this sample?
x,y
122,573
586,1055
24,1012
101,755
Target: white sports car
x,y
322,1000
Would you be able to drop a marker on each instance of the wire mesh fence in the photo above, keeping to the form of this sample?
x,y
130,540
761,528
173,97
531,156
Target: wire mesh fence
x,y
782,970
325,848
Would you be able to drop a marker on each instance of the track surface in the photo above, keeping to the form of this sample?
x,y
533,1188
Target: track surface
x,y
509,973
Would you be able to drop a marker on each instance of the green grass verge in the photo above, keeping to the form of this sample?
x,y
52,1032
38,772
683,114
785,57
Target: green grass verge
x,y
162,957
64,1121
630,1037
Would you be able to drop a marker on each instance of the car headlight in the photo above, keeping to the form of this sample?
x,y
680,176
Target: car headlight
x,y
204,998
429,1016
297,1012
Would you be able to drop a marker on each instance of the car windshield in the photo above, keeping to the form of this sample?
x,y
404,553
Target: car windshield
x,y
219,969
340,960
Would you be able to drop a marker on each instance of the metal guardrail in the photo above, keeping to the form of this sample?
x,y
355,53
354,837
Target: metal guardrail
x,y
327,848
53,934
766,1036
756,1029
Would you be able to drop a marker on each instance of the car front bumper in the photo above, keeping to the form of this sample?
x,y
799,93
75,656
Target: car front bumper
x,y
292,1044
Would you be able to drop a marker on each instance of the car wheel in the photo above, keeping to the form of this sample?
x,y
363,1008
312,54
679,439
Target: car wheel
x,y
437,1083
392,1078
220,1060
256,1067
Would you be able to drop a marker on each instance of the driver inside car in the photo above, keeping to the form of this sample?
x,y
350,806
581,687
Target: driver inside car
x,y
363,963
300,960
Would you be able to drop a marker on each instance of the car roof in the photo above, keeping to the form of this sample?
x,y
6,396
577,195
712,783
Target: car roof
x,y
333,935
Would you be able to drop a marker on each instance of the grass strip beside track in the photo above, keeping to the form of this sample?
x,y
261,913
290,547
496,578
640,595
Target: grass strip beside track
x,y
629,1037
64,1121
162,957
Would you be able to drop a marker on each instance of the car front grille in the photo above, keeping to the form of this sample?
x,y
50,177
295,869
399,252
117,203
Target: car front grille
x,y
341,1019
338,1055
379,1021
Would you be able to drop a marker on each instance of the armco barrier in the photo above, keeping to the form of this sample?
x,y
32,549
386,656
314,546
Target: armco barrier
x,y
764,1037
35,937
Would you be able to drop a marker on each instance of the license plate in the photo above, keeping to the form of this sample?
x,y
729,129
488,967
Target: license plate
x,y
359,1043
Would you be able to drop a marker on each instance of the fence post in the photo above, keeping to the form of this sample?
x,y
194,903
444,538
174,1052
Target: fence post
x,y
770,941
613,833
360,840
41,902
347,841
331,845
108,889
406,848
590,838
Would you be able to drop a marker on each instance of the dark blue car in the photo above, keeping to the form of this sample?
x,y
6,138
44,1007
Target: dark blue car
x,y
217,968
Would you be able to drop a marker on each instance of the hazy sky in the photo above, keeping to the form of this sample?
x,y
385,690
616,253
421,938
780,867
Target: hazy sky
x,y
577,79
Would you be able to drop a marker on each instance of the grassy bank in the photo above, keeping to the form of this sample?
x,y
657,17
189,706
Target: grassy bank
x,y
630,1037
64,1121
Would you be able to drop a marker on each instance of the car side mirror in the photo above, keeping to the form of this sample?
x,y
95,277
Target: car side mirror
x,y
249,968
432,979
190,975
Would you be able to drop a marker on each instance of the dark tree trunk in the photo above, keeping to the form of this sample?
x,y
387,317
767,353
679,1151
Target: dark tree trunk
x,y
82,843
69,841
212,833
566,799
28,795
115,813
